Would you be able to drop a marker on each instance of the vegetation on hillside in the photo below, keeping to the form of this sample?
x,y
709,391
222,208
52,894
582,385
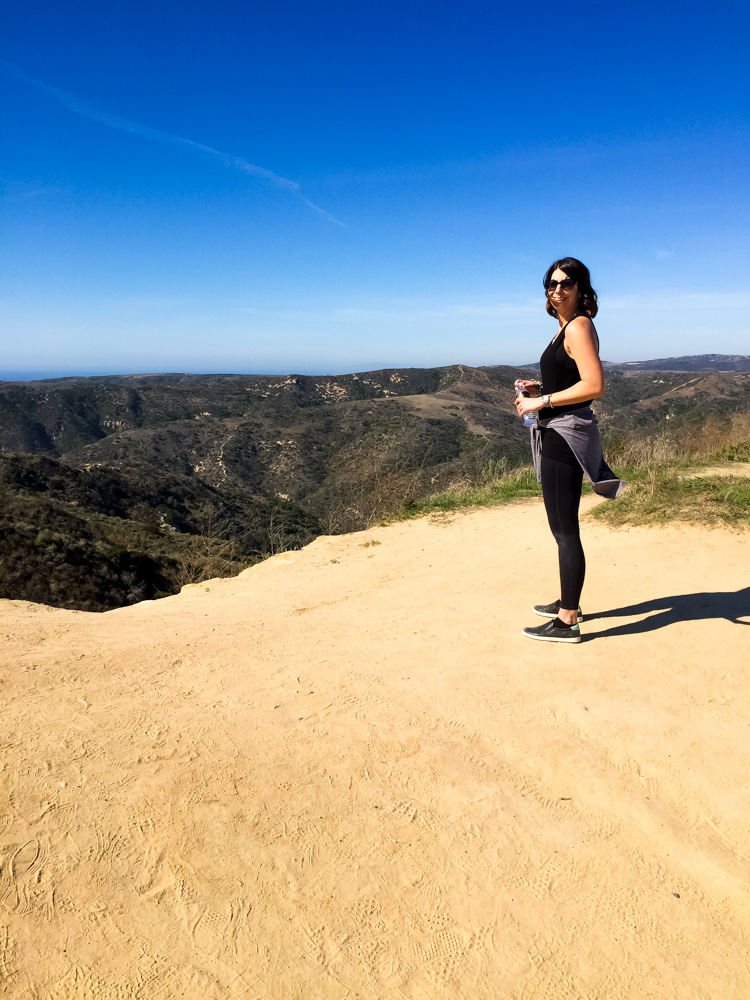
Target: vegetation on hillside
x,y
663,495
124,488
668,481
665,474
99,538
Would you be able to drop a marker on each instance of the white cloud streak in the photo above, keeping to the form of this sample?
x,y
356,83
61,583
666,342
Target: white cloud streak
x,y
79,107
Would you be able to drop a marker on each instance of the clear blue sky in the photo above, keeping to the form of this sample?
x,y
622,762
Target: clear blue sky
x,y
329,187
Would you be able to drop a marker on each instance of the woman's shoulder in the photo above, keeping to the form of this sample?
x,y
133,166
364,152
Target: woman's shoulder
x,y
580,325
579,331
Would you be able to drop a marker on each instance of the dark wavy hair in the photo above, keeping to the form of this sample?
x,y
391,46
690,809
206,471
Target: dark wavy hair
x,y
588,304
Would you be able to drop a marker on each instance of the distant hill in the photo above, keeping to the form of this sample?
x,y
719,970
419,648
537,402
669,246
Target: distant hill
x,y
142,482
688,363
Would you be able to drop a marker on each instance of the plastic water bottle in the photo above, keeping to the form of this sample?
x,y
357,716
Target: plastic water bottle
x,y
530,419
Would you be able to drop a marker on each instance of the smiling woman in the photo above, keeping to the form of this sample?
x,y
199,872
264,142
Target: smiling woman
x,y
565,440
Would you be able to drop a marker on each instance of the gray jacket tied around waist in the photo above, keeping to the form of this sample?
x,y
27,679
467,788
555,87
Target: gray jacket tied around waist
x,y
580,430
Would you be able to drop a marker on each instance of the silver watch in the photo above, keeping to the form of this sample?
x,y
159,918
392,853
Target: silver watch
x,y
546,399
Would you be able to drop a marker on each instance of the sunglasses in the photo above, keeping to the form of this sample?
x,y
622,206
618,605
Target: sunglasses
x,y
566,284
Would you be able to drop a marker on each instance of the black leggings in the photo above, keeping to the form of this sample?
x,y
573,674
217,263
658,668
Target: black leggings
x,y
561,487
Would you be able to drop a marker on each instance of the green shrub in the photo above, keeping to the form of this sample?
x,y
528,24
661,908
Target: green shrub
x,y
739,452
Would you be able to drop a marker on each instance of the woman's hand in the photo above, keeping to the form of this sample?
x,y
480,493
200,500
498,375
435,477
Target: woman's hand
x,y
529,385
524,404
531,402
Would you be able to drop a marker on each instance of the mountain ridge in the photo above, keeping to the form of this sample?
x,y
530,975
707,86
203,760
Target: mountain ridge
x,y
687,362
220,470
684,363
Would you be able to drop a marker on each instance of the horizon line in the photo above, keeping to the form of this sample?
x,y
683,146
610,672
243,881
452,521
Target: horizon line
x,y
52,374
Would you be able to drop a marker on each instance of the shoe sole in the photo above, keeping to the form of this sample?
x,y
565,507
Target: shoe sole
x,y
546,614
551,638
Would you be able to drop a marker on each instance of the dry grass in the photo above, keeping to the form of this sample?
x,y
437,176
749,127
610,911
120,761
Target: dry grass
x,y
714,441
663,495
493,486
657,492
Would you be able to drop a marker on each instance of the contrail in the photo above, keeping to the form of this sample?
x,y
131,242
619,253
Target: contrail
x,y
79,107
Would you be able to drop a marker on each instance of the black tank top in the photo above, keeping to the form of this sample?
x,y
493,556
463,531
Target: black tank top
x,y
559,371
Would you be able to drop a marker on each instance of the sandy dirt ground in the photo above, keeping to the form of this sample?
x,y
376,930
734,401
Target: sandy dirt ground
x,y
726,469
346,774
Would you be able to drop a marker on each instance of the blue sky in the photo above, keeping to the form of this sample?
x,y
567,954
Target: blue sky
x,y
246,187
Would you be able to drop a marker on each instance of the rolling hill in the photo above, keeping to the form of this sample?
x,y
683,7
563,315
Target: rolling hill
x,y
126,486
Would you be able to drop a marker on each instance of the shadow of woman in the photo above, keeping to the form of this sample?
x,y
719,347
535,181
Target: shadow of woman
x,y
732,606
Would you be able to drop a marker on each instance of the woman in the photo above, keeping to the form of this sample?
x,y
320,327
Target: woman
x,y
565,442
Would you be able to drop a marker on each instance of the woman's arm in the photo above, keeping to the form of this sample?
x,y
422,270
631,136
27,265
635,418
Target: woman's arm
x,y
581,345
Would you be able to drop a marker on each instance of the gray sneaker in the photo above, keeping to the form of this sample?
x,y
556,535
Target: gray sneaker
x,y
555,631
550,610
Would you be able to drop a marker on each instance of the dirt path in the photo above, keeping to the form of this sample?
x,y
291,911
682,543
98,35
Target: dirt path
x,y
345,774
727,469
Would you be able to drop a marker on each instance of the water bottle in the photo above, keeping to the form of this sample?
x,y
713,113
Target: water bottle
x,y
530,419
